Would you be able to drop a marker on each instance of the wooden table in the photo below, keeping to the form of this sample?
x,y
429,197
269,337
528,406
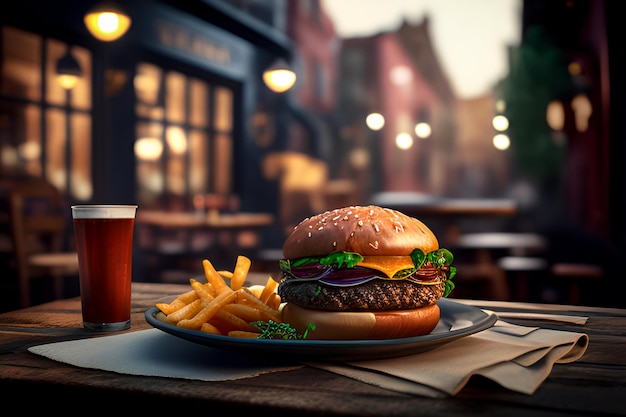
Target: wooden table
x,y
444,215
594,385
502,253
420,205
174,240
476,267
196,221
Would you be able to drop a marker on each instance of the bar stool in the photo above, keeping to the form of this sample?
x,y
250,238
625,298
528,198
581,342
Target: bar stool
x,y
575,274
523,269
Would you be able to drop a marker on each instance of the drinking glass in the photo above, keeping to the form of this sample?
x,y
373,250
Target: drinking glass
x,y
104,242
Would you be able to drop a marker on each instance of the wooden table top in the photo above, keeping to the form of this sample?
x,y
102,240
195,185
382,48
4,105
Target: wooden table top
x,y
595,384
499,240
419,205
191,220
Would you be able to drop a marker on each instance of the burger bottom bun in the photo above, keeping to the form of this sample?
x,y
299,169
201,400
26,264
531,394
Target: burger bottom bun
x,y
362,325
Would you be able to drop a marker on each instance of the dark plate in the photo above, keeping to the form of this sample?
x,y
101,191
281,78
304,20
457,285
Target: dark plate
x,y
457,320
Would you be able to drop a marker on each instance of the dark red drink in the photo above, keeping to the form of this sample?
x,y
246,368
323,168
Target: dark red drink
x,y
105,248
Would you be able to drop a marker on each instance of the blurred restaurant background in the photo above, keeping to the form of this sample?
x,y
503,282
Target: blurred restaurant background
x,y
523,181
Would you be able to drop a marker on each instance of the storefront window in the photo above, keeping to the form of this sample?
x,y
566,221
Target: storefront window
x,y
45,130
184,137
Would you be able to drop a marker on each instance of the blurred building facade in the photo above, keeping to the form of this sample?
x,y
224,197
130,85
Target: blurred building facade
x,y
558,155
173,109
177,108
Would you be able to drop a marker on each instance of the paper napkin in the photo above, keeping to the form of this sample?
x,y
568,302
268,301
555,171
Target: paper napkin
x,y
518,358
155,353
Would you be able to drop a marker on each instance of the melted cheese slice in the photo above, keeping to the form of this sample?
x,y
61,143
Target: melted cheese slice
x,y
388,265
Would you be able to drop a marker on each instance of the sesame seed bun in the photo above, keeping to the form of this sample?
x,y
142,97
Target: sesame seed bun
x,y
367,230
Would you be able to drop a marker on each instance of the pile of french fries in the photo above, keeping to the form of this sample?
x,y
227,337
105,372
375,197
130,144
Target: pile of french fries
x,y
218,308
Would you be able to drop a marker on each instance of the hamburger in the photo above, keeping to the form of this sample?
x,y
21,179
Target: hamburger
x,y
363,272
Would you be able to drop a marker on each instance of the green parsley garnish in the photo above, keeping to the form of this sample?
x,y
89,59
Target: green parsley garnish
x,y
273,330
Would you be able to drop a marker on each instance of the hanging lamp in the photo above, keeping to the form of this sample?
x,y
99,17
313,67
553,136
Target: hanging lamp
x,y
107,21
68,70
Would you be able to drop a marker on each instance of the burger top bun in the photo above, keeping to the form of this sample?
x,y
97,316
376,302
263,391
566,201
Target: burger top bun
x,y
367,230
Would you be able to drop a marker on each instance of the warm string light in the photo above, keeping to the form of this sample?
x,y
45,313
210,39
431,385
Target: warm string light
x,y
375,121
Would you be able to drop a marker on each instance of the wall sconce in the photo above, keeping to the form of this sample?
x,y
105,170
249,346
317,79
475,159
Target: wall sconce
x,y
279,77
107,21
68,70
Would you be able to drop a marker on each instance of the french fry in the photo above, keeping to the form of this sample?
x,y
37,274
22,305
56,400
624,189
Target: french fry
x,y
209,328
244,296
236,323
240,273
216,307
225,274
274,301
188,311
213,277
257,290
166,308
208,310
270,287
203,291
178,303
246,312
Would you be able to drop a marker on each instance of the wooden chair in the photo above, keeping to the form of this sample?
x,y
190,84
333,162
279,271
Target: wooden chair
x,y
39,220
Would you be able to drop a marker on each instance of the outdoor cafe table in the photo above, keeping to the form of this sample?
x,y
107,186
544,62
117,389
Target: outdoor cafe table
x,y
160,223
593,385
195,221
183,235
420,205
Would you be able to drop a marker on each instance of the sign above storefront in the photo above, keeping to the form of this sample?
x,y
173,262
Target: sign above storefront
x,y
188,39
174,36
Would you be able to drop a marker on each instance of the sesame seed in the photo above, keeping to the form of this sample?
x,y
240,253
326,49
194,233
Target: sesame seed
x,y
310,234
360,223
376,228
